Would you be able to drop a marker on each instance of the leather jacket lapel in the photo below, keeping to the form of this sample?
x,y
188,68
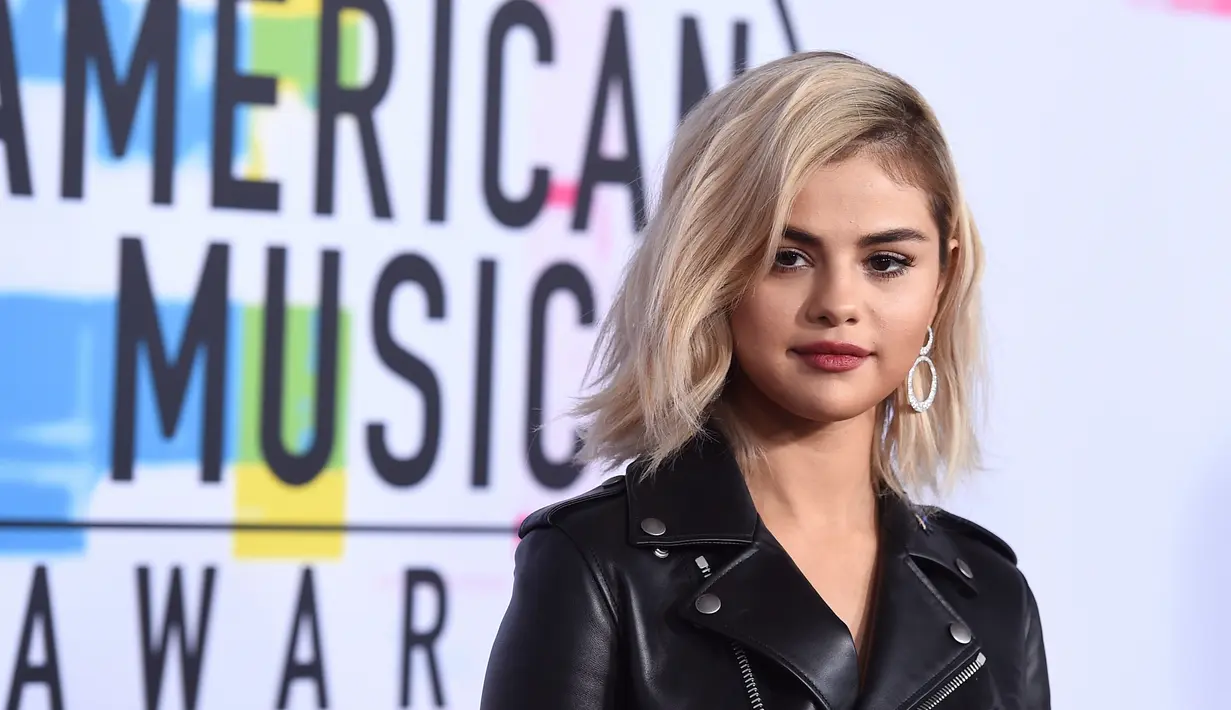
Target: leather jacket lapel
x,y
767,605
919,642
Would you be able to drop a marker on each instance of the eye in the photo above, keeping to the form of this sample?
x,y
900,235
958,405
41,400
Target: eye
x,y
789,260
889,264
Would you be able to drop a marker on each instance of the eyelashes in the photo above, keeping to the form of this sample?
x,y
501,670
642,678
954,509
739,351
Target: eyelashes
x,y
881,265
789,254
889,264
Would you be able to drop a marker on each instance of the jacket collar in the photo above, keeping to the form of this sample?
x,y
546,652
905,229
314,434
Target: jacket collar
x,y
768,606
700,497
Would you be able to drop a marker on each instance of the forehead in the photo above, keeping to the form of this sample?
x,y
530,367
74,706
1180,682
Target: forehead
x,y
857,197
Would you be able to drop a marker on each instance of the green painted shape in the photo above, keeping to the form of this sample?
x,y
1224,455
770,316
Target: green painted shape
x,y
299,383
287,47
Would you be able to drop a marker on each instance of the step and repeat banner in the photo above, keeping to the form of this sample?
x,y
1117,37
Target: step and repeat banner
x,y
294,296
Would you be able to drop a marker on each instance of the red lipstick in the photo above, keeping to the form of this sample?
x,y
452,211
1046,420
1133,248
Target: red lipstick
x,y
830,356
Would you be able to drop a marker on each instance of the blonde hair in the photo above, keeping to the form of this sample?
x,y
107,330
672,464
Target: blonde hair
x,y
740,156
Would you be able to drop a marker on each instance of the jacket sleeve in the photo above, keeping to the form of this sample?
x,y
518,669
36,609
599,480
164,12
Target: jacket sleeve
x,y
556,647
1035,685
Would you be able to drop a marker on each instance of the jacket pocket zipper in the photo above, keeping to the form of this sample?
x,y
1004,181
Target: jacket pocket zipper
x,y
741,656
956,682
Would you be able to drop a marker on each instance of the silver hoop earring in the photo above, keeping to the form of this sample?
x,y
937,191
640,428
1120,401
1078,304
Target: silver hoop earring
x,y
915,403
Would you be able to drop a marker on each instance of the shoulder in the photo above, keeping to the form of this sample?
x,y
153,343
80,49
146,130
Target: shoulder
x,y
587,531
598,514
970,534
991,563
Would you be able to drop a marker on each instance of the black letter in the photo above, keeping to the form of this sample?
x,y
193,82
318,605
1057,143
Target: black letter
x,y
483,374
299,469
334,101
154,655
25,673
86,39
313,669
788,27
694,80
625,170
138,324
411,470
231,89
510,212
441,66
12,128
560,277
425,639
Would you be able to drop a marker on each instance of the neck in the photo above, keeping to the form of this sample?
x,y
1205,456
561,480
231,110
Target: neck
x,y
816,476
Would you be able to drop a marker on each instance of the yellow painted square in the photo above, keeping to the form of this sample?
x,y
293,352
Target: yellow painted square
x,y
262,498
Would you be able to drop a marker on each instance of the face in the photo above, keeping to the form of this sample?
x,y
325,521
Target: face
x,y
833,328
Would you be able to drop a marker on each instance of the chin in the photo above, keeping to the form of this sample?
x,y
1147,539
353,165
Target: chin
x,y
825,410
814,399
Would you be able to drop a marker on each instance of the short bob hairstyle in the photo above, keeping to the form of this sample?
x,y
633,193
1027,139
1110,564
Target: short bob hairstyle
x,y
664,352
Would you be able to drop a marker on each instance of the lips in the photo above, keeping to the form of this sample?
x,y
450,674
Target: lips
x,y
829,347
828,356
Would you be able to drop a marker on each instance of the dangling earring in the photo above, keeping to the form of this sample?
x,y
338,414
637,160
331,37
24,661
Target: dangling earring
x,y
915,404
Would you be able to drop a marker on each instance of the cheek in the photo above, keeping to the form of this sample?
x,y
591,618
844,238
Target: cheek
x,y
904,330
745,327
762,319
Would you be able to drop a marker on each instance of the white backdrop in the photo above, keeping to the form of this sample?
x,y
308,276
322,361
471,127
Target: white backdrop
x,y
370,568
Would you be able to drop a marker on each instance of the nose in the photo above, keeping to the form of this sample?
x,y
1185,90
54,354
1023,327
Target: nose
x,y
834,297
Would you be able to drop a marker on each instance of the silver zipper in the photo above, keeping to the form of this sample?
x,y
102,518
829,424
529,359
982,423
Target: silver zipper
x,y
741,657
956,682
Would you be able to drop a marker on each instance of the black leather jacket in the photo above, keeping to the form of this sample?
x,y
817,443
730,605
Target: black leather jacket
x,y
668,594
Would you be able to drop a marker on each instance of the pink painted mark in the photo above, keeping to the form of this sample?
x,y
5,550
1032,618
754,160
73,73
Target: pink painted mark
x,y
1208,7
562,195
517,526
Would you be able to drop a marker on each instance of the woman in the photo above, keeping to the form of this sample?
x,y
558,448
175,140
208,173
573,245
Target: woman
x,y
792,356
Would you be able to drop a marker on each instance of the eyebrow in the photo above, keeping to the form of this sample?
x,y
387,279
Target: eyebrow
x,y
888,236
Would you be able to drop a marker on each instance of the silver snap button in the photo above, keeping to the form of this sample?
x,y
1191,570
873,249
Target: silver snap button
x,y
965,569
960,633
708,604
660,553
653,526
